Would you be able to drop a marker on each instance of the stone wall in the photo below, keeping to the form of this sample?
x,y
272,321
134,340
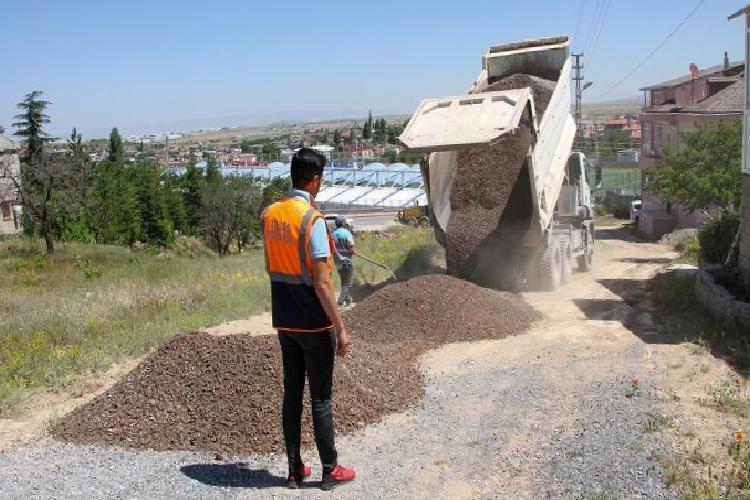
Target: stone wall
x,y
720,303
745,230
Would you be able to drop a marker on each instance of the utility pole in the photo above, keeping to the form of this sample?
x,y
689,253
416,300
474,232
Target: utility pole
x,y
578,78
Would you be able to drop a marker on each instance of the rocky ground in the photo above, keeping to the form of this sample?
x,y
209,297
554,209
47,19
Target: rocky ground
x,y
562,411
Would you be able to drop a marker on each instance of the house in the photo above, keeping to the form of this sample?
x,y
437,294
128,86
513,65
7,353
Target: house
x,y
677,105
10,199
744,250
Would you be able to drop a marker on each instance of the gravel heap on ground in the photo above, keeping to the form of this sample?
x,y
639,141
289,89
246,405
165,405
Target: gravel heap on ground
x,y
484,181
223,394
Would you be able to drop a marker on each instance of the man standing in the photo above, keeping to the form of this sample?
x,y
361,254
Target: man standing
x,y
303,302
344,258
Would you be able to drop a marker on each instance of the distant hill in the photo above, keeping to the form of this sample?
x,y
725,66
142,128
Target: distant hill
x,y
603,109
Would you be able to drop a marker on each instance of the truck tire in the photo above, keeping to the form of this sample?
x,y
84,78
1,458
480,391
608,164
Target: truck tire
x,y
567,261
424,221
586,261
550,267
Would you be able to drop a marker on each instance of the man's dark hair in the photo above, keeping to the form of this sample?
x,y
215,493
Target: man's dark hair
x,y
306,163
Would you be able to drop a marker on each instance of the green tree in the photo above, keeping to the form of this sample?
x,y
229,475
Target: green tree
x,y
213,174
149,179
275,189
246,146
193,185
337,138
31,122
367,127
116,150
49,185
705,170
270,150
230,212
114,214
176,209
75,145
2,130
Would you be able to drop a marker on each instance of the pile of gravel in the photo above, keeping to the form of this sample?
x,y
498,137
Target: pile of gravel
x,y
541,89
223,394
484,182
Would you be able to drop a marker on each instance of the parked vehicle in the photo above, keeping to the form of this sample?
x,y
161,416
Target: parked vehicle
x,y
414,215
635,211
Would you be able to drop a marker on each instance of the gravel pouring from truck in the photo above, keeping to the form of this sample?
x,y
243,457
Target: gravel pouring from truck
x,y
509,200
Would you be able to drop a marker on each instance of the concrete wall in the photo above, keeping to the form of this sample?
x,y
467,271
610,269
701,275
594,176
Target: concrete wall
x,y
745,230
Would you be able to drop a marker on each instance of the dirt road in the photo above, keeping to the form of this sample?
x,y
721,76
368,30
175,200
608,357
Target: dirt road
x,y
561,412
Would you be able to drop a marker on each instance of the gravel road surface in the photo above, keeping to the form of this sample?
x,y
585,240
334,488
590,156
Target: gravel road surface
x,y
540,415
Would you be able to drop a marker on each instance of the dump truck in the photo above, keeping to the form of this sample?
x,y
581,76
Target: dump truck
x,y
508,197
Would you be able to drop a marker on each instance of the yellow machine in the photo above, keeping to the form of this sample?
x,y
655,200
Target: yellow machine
x,y
414,215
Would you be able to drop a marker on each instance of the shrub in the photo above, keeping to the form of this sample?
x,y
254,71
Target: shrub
x,y
716,238
190,247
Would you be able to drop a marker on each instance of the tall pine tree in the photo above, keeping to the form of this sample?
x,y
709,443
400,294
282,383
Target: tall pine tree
x,y
30,124
116,149
193,184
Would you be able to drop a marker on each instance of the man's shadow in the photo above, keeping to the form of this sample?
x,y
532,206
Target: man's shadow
x,y
233,475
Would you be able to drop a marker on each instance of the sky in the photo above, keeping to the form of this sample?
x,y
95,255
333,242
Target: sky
x,y
147,66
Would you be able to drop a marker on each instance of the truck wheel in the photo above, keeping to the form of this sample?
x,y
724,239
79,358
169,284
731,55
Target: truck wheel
x,y
550,267
586,261
567,261
424,221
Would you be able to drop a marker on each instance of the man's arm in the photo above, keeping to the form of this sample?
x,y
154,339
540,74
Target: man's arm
x,y
327,296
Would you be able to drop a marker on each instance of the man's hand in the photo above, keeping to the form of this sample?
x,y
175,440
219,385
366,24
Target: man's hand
x,y
327,296
342,342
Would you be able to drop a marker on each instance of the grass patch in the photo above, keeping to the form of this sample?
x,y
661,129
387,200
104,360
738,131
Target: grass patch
x,y
67,315
406,251
674,292
731,396
656,422
689,248
607,219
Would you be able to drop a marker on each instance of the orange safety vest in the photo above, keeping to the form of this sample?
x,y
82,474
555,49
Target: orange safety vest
x,y
287,225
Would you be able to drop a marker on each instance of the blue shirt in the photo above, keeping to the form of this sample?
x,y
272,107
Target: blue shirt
x,y
344,242
319,248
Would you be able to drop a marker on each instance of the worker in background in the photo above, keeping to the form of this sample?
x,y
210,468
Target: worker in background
x,y
344,258
298,250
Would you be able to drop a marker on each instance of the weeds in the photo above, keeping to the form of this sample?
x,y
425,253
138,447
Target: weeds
x,y
60,319
689,248
655,423
634,388
732,484
85,266
731,396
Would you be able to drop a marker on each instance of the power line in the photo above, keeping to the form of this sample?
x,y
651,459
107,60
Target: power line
x,y
645,60
593,25
601,28
581,6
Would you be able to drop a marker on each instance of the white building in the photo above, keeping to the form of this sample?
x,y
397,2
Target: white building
x,y
10,199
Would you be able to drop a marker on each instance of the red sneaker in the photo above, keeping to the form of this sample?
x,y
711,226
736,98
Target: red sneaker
x,y
338,476
295,478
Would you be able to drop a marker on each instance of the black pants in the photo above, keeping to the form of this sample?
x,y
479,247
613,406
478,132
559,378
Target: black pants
x,y
311,353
